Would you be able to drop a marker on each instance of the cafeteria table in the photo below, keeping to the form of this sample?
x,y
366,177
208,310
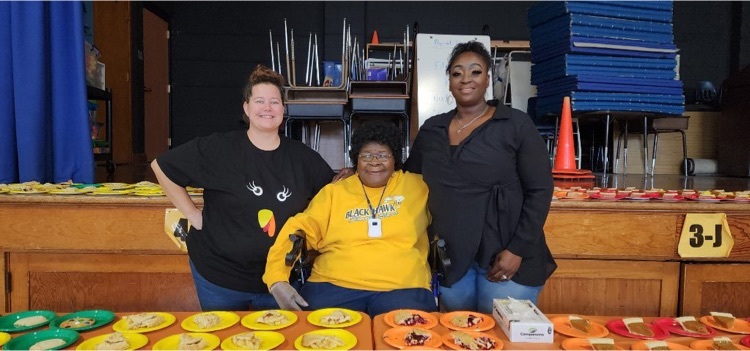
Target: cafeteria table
x,y
362,330
379,327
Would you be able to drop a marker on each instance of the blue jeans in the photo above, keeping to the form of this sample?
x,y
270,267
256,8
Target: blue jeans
x,y
322,295
475,293
216,298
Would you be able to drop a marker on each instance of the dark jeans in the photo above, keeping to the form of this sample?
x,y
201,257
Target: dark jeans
x,y
216,298
322,295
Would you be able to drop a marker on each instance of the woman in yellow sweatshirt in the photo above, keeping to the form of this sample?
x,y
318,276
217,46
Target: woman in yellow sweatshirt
x,y
370,231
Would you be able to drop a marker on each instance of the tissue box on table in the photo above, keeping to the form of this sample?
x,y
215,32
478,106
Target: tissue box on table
x,y
522,321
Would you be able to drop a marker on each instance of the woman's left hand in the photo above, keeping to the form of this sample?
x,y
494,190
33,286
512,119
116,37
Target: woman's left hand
x,y
505,266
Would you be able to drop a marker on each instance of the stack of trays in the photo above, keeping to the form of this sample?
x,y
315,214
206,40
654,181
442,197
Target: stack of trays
x,y
605,56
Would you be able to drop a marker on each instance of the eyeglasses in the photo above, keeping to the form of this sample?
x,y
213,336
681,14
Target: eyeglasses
x,y
379,157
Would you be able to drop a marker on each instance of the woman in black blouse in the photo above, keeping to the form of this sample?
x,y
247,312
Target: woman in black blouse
x,y
490,184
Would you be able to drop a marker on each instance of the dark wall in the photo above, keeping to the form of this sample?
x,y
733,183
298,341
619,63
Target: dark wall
x,y
215,45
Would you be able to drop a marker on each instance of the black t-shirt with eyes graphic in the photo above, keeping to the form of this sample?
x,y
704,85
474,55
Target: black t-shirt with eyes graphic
x,y
248,196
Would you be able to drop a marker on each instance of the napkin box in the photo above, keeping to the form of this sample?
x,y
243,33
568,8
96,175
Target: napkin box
x,y
530,326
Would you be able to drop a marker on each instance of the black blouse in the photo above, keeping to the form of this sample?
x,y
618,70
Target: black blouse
x,y
492,193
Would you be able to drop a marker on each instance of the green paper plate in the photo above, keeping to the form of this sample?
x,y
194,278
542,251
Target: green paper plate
x,y
24,342
6,322
100,317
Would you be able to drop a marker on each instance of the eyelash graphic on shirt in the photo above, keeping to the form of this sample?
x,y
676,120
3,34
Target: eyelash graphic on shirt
x,y
258,191
283,195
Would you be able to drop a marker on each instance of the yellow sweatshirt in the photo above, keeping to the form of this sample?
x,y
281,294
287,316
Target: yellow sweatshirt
x,y
336,224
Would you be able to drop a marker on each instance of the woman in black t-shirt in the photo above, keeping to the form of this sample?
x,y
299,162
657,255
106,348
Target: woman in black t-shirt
x,y
253,181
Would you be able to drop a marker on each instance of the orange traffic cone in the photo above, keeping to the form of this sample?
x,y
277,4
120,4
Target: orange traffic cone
x,y
565,159
375,39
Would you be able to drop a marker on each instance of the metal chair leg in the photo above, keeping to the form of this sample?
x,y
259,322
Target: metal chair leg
x,y
653,153
684,152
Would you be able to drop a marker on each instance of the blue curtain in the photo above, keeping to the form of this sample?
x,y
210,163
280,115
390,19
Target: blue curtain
x,y
44,128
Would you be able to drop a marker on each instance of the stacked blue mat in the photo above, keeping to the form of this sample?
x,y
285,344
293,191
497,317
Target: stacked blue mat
x,y
607,56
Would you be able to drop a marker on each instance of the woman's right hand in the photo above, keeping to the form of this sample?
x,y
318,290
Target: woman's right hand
x,y
343,174
196,219
287,297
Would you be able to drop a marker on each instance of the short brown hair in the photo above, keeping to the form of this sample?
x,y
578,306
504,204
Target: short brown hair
x,y
261,74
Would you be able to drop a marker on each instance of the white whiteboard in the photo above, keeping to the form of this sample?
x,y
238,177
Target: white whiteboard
x,y
433,52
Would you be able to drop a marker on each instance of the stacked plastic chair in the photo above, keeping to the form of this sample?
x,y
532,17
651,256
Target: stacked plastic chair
x,y
606,56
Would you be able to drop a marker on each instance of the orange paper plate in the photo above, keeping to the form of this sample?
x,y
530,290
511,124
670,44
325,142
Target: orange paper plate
x,y
707,344
740,326
562,326
641,345
395,338
448,340
486,323
431,320
581,344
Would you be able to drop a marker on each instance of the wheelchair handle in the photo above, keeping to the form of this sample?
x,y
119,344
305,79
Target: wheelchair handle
x,y
297,241
443,254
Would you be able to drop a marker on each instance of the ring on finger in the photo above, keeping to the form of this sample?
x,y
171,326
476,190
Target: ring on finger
x,y
503,277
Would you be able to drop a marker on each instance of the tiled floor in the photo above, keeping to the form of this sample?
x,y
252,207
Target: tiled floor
x,y
139,172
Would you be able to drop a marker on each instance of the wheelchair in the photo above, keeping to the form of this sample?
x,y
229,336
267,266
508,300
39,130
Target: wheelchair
x,y
439,262
299,258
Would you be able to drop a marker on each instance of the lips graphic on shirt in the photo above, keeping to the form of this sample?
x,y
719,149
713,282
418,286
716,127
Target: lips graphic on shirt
x,y
267,222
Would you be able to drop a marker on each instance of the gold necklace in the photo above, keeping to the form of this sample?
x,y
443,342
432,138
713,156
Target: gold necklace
x,y
462,126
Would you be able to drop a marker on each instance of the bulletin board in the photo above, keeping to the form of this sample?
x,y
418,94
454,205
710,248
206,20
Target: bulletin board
x,y
432,53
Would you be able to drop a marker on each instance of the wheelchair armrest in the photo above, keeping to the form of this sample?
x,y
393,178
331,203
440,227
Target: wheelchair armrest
x,y
442,254
298,245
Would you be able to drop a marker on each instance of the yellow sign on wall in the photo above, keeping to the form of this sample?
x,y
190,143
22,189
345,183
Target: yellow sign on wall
x,y
705,235
176,227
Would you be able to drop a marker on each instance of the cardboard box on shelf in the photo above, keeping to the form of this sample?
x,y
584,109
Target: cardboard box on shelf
x,y
522,321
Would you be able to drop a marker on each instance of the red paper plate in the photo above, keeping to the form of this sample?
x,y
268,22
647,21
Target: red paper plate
x,y
673,326
606,198
617,326
745,341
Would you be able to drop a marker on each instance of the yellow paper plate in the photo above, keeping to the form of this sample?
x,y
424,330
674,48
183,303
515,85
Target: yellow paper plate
x,y
122,324
173,342
249,321
102,191
28,192
347,337
68,191
271,339
314,317
118,186
135,340
4,337
149,193
228,319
